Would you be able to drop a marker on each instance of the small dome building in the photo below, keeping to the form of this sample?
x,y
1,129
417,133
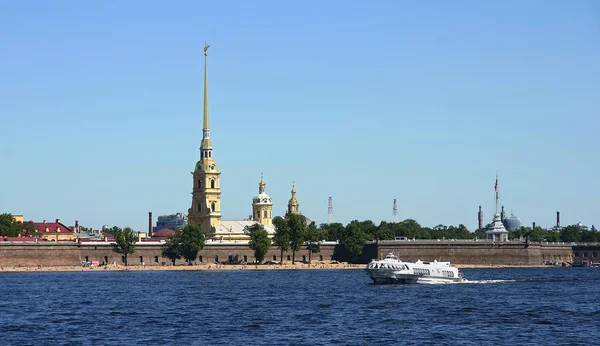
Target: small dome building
x,y
262,205
512,223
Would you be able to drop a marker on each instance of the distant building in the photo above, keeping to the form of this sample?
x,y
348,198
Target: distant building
x,y
54,230
176,222
581,226
511,223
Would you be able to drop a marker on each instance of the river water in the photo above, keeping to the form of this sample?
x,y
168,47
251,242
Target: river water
x,y
525,306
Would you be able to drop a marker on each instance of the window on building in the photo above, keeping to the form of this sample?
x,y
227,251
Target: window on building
x,y
210,154
576,254
265,214
212,183
594,254
258,214
142,259
230,259
216,259
585,254
155,259
212,207
199,183
274,258
245,258
123,259
303,258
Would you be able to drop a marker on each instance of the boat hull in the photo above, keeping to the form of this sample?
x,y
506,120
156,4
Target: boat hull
x,y
389,277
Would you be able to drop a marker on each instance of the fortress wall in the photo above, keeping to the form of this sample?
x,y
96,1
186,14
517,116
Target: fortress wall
x,y
73,254
481,253
14,255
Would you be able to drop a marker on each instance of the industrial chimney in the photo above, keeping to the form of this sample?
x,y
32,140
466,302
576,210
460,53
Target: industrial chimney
x,y
149,224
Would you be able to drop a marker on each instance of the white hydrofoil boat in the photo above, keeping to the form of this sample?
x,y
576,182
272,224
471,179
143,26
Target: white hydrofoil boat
x,y
391,270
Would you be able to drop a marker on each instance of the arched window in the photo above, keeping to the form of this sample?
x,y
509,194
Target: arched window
x,y
212,207
265,214
212,183
258,214
199,206
210,154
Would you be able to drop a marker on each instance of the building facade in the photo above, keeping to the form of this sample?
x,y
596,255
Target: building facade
x,y
175,222
206,193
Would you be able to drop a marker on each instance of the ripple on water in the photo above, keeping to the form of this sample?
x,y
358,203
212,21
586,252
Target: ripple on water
x,y
325,307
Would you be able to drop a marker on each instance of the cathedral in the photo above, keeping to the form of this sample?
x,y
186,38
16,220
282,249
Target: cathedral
x,y
206,193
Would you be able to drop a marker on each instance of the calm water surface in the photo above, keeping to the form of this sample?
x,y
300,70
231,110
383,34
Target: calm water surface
x,y
545,306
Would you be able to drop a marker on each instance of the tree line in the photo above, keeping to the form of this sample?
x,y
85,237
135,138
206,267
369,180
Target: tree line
x,y
292,232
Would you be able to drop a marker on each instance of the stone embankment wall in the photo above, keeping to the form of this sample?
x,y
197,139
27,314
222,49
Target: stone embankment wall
x,y
473,252
458,252
72,254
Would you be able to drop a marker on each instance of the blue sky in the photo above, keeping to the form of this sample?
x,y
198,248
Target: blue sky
x,y
101,108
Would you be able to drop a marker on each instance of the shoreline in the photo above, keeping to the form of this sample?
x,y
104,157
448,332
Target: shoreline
x,y
222,267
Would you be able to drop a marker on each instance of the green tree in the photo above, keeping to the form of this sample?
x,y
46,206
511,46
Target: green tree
x,y
281,239
313,240
259,241
354,239
334,231
570,233
29,229
385,231
192,241
9,227
173,248
297,225
124,241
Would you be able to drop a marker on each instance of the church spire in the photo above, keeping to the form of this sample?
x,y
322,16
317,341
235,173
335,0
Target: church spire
x,y
261,185
206,146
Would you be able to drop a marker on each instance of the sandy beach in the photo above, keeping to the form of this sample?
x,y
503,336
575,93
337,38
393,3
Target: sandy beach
x,y
216,267
117,267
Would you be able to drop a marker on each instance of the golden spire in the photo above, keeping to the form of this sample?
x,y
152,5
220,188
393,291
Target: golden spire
x,y
206,146
205,89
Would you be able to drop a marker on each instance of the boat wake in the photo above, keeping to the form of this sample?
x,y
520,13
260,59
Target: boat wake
x,y
559,279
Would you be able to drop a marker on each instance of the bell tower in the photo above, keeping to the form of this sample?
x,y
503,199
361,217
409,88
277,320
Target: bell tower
x,y
206,192
293,205
262,205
